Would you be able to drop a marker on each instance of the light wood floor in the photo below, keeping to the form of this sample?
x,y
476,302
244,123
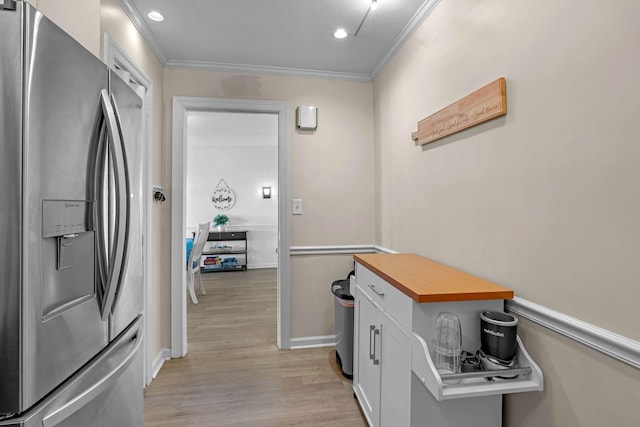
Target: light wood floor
x,y
234,374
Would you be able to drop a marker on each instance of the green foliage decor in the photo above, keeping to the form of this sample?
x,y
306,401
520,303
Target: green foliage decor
x,y
220,219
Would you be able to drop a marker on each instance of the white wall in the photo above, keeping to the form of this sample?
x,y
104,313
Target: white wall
x,y
242,150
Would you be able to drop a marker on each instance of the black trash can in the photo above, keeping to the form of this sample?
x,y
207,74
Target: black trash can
x,y
344,325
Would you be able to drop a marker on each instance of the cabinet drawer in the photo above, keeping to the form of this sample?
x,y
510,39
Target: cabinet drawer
x,y
227,235
392,301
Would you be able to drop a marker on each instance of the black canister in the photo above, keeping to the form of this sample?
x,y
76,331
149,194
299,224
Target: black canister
x,y
498,333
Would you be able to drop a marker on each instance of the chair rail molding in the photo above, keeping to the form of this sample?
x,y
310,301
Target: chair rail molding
x,y
613,345
616,346
338,250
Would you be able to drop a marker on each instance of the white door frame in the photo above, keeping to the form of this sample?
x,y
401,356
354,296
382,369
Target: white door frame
x,y
181,106
117,59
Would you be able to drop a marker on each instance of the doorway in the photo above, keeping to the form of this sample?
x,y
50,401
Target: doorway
x,y
232,170
182,106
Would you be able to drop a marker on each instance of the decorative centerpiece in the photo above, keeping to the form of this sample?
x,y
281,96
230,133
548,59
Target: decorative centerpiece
x,y
220,221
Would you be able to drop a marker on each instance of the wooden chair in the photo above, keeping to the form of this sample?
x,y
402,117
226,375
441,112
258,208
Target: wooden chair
x,y
193,265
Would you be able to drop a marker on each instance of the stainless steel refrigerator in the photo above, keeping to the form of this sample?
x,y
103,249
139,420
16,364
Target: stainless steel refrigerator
x,y
70,232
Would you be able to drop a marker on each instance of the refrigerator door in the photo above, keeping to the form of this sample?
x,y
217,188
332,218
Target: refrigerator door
x,y
128,301
62,327
107,392
10,207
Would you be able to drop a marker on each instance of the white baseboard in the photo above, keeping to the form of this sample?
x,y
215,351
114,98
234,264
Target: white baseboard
x,y
313,342
164,354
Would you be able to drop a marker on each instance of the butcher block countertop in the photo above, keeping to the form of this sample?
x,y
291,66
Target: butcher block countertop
x,y
428,281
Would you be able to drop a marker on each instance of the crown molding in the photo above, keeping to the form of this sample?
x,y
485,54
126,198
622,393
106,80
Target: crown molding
x,y
266,70
143,28
417,19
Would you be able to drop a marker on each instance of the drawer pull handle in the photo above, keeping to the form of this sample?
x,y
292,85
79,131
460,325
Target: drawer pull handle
x,y
373,288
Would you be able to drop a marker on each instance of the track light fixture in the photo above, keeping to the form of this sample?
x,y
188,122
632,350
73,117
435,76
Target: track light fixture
x,y
372,6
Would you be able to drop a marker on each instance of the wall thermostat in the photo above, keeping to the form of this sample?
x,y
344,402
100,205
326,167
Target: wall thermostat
x,y
306,117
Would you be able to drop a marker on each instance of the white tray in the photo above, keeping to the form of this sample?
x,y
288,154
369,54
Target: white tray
x,y
474,384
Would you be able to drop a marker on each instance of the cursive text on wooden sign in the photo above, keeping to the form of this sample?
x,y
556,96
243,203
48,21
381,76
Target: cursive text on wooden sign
x,y
484,104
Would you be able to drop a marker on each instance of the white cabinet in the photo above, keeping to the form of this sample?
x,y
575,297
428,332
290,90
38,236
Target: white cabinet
x,y
366,378
395,376
397,300
382,351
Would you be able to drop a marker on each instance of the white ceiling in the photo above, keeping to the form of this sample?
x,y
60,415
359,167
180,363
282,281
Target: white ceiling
x,y
278,36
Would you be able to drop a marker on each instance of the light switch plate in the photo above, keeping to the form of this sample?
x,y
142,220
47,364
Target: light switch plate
x,y
297,207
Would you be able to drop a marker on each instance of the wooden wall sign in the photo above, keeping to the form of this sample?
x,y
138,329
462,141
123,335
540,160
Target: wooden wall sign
x,y
480,106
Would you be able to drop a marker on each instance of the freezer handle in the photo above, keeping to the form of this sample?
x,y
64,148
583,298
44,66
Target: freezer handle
x,y
55,418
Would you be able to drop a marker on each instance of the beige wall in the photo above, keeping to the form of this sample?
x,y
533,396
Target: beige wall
x,y
583,388
544,200
122,31
312,311
79,18
332,170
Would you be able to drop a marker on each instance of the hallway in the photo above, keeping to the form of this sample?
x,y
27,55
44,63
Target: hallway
x,y
234,375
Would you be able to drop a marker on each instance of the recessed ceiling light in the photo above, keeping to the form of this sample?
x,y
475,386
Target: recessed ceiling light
x,y
340,33
155,16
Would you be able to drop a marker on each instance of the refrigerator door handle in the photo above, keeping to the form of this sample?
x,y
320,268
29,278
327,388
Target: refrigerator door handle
x,y
72,406
123,259
101,217
114,157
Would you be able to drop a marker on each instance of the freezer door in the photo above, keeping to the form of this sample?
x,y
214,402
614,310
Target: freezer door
x,y
107,392
10,208
62,326
128,301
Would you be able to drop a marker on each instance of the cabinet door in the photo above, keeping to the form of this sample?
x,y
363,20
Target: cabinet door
x,y
395,375
367,379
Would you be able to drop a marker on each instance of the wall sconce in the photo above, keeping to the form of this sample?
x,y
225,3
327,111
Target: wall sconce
x,y
266,192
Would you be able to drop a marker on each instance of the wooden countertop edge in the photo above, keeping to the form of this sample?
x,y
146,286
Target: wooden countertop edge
x,y
499,292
